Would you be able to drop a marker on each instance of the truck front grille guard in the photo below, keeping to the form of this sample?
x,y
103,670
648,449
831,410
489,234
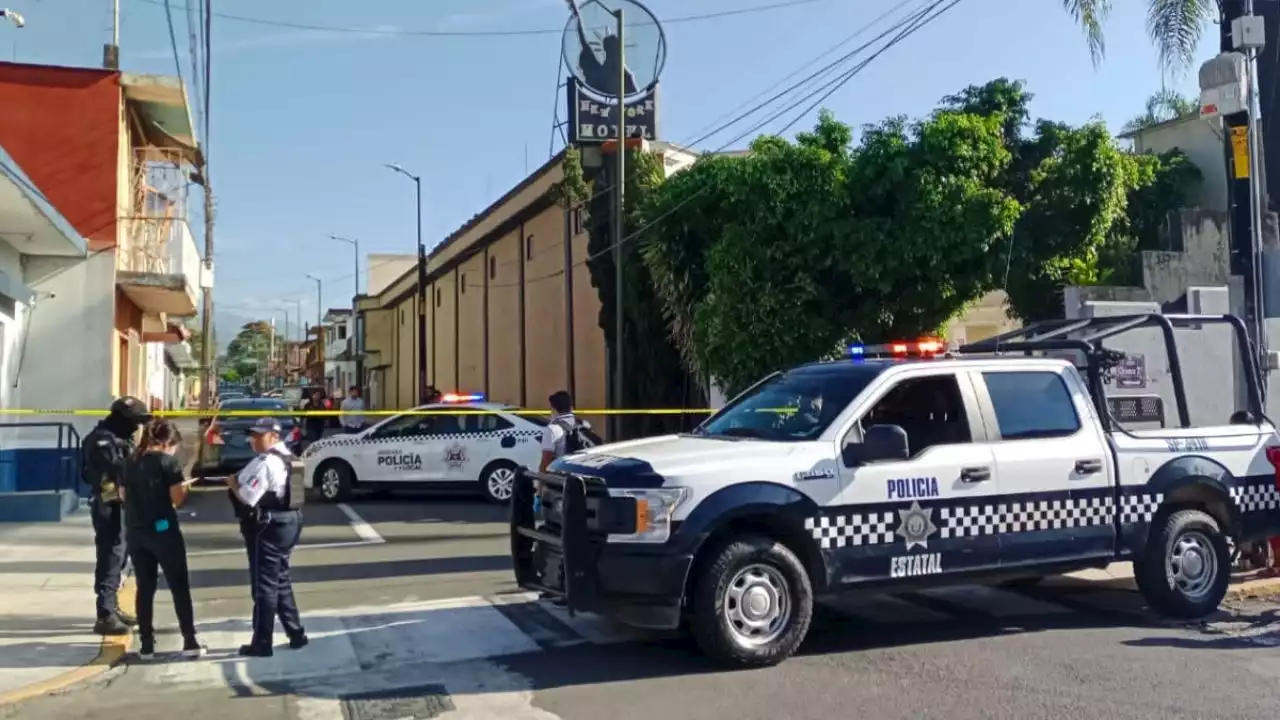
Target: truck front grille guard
x,y
574,543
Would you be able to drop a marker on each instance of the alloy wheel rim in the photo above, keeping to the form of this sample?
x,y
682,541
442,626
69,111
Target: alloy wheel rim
x,y
501,483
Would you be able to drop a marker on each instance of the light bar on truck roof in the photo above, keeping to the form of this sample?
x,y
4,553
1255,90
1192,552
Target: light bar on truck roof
x,y
920,347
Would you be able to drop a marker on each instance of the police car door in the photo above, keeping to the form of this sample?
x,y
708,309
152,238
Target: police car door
x,y
1052,458
393,452
901,519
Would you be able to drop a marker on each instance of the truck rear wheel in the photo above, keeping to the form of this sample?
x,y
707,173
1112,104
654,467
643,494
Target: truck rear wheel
x,y
1186,565
752,604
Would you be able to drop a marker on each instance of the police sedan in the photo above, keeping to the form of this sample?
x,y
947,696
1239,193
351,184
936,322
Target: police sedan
x,y
480,446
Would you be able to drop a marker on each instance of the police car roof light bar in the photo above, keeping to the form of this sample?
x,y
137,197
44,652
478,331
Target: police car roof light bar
x,y
922,347
462,398
1048,335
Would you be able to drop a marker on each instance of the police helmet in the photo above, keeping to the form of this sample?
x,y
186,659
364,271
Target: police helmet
x,y
132,409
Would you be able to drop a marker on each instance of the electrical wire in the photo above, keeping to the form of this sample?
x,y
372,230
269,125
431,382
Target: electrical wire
x,y
391,32
910,27
173,40
904,28
703,134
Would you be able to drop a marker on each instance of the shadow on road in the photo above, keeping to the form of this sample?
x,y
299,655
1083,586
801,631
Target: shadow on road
x,y
402,648
365,570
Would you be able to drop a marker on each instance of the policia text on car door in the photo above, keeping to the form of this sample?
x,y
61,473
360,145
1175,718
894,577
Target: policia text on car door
x,y
267,497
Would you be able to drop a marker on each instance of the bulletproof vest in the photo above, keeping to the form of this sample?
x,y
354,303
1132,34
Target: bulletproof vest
x,y
294,492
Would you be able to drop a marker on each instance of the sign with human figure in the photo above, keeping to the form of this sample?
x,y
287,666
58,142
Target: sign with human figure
x,y
596,60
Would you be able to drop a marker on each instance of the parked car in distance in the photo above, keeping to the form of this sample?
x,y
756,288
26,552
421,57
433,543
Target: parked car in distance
x,y
225,449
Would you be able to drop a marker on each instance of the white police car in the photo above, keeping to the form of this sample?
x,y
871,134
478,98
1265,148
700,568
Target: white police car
x,y
464,444
905,471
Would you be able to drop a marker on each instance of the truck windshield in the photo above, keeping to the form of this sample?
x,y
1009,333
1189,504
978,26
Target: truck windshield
x,y
796,406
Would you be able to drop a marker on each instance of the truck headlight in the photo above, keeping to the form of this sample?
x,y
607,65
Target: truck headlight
x,y
654,510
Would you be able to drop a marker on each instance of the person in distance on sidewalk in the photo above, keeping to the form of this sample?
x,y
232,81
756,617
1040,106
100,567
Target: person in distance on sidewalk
x,y
153,488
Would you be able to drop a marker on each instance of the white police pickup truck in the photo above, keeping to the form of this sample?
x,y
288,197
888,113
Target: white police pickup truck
x,y
887,474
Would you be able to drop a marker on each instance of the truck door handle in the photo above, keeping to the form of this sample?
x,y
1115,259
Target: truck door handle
x,y
975,474
1088,467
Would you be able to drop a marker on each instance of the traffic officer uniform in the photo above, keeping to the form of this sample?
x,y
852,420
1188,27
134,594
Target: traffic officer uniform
x,y
269,508
103,454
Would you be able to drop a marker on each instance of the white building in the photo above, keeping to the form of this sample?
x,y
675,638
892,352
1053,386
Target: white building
x,y
339,359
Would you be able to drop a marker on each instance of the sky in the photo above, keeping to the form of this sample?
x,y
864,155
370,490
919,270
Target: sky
x,y
303,120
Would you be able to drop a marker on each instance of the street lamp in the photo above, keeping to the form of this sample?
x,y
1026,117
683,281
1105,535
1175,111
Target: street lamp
x,y
422,286
355,244
14,17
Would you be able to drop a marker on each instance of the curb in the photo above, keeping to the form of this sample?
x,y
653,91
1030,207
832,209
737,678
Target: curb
x,y
1255,589
110,652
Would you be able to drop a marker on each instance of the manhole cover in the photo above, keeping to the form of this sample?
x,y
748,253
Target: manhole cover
x,y
418,703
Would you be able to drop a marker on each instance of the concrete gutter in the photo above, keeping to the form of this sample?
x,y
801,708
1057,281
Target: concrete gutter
x,y
111,651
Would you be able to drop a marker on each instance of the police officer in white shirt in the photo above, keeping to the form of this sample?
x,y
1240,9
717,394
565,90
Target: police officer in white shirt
x,y
271,522
560,436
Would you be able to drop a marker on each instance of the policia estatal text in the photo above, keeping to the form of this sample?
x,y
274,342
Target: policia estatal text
x,y
268,500
103,455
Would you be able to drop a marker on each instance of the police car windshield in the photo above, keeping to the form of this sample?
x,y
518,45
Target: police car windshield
x,y
795,406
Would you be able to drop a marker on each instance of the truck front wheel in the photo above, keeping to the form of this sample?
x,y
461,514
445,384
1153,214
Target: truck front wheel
x,y
752,603
1186,565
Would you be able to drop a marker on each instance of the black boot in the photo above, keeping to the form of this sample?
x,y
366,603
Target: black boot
x,y
126,618
110,625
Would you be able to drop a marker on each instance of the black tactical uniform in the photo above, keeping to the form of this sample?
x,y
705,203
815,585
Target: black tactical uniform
x,y
103,454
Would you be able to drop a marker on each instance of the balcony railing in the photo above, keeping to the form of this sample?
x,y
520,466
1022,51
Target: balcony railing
x,y
149,244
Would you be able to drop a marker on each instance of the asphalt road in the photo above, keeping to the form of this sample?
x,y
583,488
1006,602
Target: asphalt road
x,y
372,551
380,581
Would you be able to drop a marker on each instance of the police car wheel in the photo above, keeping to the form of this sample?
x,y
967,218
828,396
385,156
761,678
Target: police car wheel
x,y
1186,565
498,482
752,604
333,480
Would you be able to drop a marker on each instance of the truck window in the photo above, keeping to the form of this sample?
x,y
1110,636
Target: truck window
x,y
1031,405
930,410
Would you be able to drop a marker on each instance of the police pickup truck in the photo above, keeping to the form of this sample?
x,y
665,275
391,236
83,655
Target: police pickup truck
x,y
888,473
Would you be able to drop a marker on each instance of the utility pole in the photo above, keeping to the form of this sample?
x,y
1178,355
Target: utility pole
x,y
111,53
1242,32
208,381
619,203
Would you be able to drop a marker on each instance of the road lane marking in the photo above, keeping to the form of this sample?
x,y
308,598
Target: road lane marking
x,y
361,528
310,546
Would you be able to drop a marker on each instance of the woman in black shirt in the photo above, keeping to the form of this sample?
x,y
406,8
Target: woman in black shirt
x,y
153,487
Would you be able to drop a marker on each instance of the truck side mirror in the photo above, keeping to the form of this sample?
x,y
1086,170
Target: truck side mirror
x,y
880,443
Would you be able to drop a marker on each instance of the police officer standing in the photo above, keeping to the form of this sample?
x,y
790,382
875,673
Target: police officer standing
x,y
104,452
269,507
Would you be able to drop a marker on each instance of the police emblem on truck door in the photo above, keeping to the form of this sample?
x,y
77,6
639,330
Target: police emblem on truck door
x,y
915,526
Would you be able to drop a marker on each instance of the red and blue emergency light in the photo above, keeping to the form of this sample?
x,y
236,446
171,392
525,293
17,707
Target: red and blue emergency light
x,y
921,347
462,398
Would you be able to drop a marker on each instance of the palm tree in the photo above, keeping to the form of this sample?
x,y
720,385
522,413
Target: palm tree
x,y
1162,106
1174,26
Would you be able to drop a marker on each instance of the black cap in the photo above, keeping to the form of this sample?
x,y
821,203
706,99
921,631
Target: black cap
x,y
131,408
264,425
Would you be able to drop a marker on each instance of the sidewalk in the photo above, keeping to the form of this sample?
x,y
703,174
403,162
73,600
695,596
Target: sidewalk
x,y
46,610
1243,585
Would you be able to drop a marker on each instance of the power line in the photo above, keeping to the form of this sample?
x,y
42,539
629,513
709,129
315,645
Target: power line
x,y
845,41
391,32
906,27
173,40
918,21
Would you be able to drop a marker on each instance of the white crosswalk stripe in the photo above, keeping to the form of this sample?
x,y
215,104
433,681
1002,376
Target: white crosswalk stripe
x,y
460,630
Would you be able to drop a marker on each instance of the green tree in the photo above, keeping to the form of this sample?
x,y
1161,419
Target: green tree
x,y
1162,106
1087,204
1173,26
784,255
248,349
